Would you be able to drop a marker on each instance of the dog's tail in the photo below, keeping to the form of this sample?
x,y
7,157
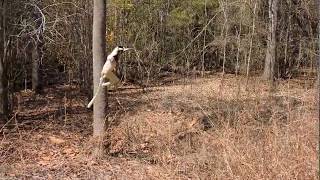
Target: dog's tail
x,y
94,97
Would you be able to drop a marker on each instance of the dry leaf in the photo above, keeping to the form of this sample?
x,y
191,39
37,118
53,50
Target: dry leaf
x,y
68,151
46,158
193,122
56,140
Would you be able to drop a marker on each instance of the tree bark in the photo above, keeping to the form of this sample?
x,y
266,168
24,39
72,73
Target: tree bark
x,y
36,77
318,65
37,53
4,105
269,67
98,50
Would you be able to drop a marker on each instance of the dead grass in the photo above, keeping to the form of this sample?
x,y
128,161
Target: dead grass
x,y
208,128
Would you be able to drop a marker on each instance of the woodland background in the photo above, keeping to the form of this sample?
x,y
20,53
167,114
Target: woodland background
x,y
48,44
169,37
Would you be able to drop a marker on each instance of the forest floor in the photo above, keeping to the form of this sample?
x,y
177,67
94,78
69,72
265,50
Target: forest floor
x,y
204,128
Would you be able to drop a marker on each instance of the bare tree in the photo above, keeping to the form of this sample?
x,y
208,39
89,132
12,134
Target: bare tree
x,y
37,50
269,67
98,50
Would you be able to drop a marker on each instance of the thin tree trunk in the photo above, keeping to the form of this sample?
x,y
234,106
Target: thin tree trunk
x,y
318,66
204,39
226,29
36,77
37,52
269,67
3,91
285,70
251,41
98,50
4,105
237,67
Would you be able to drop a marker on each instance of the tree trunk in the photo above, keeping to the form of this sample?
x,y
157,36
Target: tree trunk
x,y
98,50
318,66
3,91
37,52
36,77
3,75
269,67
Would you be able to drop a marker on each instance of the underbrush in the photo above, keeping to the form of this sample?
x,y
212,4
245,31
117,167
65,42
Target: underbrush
x,y
269,136
206,129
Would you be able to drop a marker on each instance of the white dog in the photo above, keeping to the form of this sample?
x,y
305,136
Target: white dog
x,y
107,71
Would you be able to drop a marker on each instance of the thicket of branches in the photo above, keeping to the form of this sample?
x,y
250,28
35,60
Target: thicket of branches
x,y
168,36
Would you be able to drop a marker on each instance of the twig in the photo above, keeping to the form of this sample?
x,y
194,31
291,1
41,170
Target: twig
x,y
13,117
43,19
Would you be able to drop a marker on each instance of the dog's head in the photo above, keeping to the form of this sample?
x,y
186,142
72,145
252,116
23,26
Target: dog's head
x,y
123,49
